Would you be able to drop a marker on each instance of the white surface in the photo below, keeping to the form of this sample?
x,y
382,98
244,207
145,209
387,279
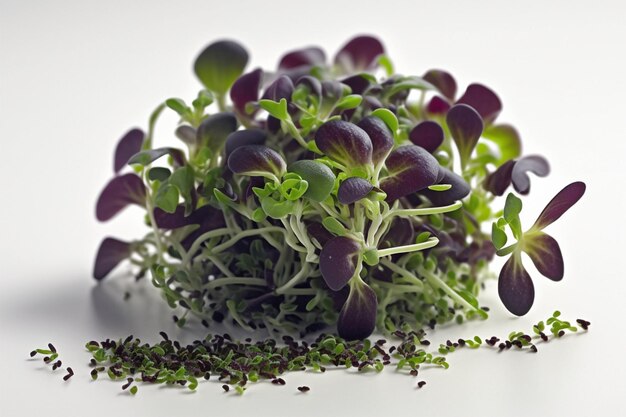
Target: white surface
x,y
75,75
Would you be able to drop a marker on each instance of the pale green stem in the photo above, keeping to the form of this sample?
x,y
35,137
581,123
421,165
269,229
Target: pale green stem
x,y
296,279
403,272
409,248
436,282
201,239
425,211
246,233
219,282
220,266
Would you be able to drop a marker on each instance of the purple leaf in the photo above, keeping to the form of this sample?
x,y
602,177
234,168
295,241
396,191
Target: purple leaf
x,y
380,135
338,260
400,232
254,160
110,253
498,181
437,105
465,126
244,137
428,134
444,82
483,100
282,87
410,169
515,288
533,163
357,319
460,189
545,253
310,56
119,193
357,83
246,90
359,54
561,202
170,221
353,189
128,146
345,143
319,232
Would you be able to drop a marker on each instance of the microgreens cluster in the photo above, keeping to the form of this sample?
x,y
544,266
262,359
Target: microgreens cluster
x,y
238,363
329,194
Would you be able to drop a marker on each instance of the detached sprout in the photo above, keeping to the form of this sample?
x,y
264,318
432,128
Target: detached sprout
x,y
329,192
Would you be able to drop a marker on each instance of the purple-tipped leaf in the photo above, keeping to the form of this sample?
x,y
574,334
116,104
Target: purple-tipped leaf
x,y
338,260
498,181
380,135
110,253
536,164
214,130
241,138
128,146
515,288
460,189
410,169
353,189
545,253
150,155
561,202
246,90
444,82
484,100
357,319
310,56
220,64
120,192
427,134
256,160
359,54
345,143
465,126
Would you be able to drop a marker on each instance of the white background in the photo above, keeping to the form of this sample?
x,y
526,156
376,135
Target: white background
x,y
75,75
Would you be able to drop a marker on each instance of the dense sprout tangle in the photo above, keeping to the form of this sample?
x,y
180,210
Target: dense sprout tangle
x,y
328,194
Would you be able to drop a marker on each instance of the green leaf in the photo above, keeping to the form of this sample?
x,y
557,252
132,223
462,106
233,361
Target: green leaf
x,y
498,236
167,198
276,109
422,237
220,64
349,102
292,189
158,173
507,139
388,117
320,178
385,62
512,209
178,106
276,209
183,179
334,226
204,99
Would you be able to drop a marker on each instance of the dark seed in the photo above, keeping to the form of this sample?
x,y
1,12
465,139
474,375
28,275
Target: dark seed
x,y
226,388
421,384
304,388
